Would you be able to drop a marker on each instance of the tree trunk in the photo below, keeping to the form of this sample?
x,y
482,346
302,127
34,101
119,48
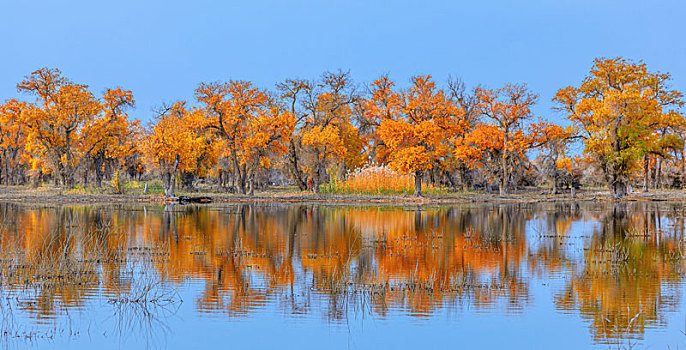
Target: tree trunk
x,y
658,173
187,179
646,173
4,168
239,172
451,180
295,168
169,179
8,173
503,180
618,187
223,180
169,182
251,185
618,183
372,153
241,183
554,180
67,170
317,175
15,171
464,182
654,171
12,169
418,183
316,180
67,178
35,178
98,171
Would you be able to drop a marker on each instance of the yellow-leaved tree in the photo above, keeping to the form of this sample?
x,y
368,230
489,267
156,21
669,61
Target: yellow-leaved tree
x,y
323,135
252,127
56,120
554,141
383,104
417,128
617,110
110,138
171,145
503,136
12,141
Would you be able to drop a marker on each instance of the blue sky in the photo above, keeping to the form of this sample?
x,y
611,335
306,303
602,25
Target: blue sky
x,y
162,49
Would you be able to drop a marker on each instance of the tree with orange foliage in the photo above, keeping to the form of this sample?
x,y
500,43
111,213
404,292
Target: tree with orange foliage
x,y
418,126
112,137
668,135
468,101
329,135
291,95
554,141
482,148
12,140
507,108
207,156
246,119
616,109
171,145
55,121
384,103
324,134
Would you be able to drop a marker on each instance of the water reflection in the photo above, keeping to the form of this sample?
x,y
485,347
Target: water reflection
x,y
631,272
620,266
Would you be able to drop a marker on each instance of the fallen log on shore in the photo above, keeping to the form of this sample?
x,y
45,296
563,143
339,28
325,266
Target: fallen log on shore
x,y
202,199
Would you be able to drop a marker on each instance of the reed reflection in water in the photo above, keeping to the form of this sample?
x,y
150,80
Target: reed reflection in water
x,y
618,267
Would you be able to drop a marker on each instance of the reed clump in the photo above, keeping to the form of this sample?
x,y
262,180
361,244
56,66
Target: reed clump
x,y
376,179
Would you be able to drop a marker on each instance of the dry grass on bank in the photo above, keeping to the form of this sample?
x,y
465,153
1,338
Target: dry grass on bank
x,y
378,180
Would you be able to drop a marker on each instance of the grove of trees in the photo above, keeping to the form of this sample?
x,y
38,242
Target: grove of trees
x,y
307,133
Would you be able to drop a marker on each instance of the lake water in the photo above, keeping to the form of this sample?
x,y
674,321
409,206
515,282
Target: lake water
x,y
549,275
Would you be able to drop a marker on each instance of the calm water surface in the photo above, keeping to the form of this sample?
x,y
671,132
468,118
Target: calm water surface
x,y
572,275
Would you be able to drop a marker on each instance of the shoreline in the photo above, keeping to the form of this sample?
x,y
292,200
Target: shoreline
x,y
54,195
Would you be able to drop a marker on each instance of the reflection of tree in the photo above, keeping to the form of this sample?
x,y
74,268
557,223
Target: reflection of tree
x,y
552,255
54,259
628,276
436,256
246,254
318,258
48,258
